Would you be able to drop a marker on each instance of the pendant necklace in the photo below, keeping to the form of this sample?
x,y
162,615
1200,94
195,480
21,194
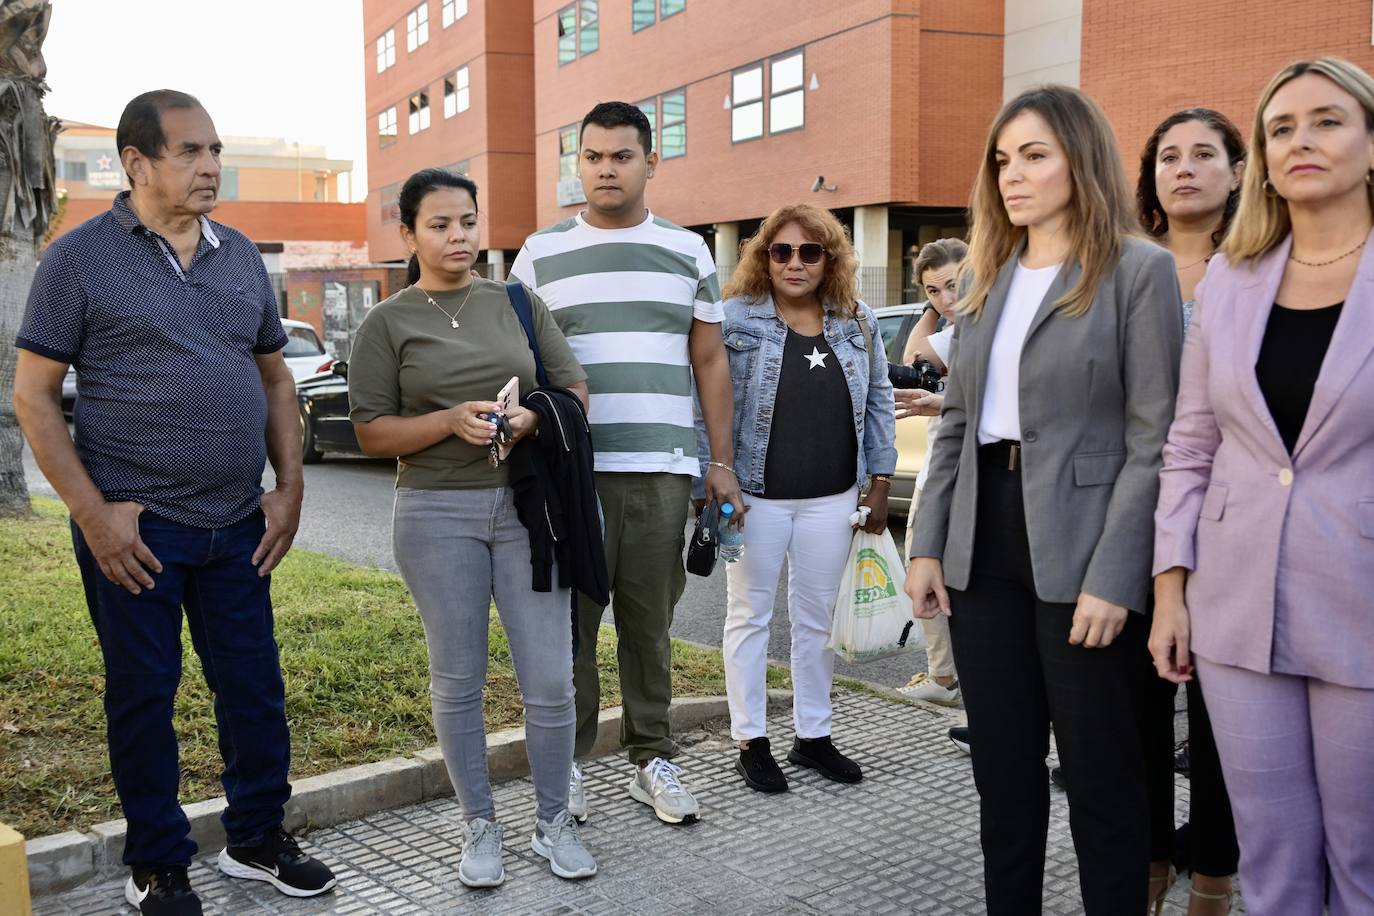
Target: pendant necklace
x,y
452,319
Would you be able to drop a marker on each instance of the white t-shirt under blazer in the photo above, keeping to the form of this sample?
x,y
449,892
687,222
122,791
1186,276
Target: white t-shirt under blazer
x,y
1001,414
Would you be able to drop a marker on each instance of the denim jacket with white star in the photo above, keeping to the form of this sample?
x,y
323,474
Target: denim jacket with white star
x,y
754,337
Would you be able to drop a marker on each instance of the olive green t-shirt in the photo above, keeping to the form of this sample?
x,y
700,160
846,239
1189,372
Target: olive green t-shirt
x,y
408,360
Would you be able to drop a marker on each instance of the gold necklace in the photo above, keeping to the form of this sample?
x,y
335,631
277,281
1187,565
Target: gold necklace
x,y
1293,257
1195,263
452,319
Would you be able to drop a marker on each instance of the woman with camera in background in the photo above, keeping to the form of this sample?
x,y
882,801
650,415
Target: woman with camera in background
x,y
427,365
1187,192
1037,509
1264,552
813,423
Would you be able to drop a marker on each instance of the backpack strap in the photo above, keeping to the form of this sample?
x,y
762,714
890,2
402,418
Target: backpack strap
x,y
520,301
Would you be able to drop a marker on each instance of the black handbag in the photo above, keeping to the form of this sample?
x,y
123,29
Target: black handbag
x,y
705,544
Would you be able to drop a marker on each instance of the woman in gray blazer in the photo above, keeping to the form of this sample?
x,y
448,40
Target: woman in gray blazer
x,y
1034,532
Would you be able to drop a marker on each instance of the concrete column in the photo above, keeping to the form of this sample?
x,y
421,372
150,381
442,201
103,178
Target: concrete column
x,y
872,247
727,248
496,260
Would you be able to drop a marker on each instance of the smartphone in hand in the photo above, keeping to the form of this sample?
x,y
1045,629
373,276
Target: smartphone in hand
x,y
508,397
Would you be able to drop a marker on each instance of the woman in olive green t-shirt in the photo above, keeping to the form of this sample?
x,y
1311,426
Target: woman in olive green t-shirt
x,y
426,367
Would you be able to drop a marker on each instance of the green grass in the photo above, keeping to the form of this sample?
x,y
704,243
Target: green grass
x,y
353,658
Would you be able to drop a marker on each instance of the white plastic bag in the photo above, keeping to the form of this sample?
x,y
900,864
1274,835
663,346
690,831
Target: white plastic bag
x,y
872,616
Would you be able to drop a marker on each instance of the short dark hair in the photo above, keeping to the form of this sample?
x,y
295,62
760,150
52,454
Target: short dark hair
x,y
1152,216
140,126
620,114
413,193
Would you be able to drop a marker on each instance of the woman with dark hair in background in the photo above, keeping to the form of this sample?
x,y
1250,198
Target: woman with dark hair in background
x,y
1189,186
427,365
1037,509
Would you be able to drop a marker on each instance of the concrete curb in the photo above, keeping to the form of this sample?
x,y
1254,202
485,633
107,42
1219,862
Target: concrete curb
x,y
64,860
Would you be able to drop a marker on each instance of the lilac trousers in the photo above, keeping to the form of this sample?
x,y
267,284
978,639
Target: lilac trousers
x,y
1298,756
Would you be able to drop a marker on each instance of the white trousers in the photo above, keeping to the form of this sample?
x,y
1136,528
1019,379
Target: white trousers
x,y
814,536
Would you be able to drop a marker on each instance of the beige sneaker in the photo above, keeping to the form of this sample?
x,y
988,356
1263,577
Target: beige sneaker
x,y
924,687
657,784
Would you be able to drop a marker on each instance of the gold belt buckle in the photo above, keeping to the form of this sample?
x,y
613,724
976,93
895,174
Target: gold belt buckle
x,y
1012,455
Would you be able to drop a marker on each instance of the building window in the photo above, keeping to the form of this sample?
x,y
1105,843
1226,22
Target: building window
x,y
674,123
417,26
419,111
567,152
457,95
391,203
787,98
746,112
386,50
579,31
650,109
386,127
643,13
453,10
71,169
668,8
229,183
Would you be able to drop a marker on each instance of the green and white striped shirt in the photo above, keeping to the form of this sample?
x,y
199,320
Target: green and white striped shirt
x,y
626,299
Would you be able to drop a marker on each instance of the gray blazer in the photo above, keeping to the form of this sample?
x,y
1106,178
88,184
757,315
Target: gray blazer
x,y
1097,396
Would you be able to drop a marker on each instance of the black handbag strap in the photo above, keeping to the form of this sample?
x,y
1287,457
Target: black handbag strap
x,y
520,301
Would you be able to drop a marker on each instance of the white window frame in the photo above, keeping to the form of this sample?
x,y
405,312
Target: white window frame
x,y
457,92
452,11
386,50
418,112
387,127
417,26
746,105
789,91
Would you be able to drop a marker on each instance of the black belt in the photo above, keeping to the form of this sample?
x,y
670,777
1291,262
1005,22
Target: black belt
x,y
1004,454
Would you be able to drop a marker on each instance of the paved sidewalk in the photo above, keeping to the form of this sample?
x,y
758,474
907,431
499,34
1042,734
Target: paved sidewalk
x,y
905,840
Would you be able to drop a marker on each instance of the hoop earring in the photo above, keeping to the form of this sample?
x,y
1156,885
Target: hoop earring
x,y
1269,189
1369,178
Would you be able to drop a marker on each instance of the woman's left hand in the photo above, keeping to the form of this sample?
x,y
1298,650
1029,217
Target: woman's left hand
x,y
876,501
1096,622
523,421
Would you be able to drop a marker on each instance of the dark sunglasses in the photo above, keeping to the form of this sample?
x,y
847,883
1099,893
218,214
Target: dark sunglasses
x,y
810,252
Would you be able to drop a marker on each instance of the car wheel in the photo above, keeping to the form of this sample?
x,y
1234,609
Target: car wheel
x,y
309,453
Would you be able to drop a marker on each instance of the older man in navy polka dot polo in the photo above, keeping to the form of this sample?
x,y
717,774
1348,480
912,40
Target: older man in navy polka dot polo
x,y
182,396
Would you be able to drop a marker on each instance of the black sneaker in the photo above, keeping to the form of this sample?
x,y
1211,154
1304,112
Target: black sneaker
x,y
162,891
278,860
959,735
760,771
820,755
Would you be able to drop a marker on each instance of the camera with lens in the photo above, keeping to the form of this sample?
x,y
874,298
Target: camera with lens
x,y
920,374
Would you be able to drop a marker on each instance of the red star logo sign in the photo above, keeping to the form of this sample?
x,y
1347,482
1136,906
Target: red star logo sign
x,y
104,163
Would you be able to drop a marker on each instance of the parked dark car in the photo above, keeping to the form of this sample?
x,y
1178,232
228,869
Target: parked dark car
x,y
325,426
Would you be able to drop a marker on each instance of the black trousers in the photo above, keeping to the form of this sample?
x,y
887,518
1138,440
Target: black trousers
x,y
1019,674
1211,847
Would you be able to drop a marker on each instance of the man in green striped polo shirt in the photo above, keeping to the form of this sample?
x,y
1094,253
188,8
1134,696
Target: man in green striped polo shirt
x,y
639,302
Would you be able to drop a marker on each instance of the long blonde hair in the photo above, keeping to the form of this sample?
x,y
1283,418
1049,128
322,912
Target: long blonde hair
x,y
1100,211
1262,219
838,288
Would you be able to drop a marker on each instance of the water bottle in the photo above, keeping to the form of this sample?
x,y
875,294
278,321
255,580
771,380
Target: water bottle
x,y
731,538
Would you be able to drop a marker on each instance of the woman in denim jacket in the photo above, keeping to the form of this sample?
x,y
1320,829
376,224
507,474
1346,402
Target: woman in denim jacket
x,y
814,422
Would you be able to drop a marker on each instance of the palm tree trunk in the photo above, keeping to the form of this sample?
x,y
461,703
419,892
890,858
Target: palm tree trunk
x,y
16,272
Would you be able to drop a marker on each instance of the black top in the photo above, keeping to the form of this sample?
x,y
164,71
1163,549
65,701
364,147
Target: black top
x,y
1295,343
812,450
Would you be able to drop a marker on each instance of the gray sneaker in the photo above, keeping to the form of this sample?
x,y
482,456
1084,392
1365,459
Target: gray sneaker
x,y
657,784
481,864
577,799
557,840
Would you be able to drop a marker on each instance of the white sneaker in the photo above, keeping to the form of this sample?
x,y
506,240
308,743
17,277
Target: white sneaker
x,y
924,687
657,784
577,799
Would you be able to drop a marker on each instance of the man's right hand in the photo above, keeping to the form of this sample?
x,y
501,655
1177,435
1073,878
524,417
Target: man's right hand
x,y
111,533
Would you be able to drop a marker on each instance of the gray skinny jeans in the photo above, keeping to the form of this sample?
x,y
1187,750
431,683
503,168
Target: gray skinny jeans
x,y
457,549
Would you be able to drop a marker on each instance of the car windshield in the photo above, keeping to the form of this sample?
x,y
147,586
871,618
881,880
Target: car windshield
x,y
302,342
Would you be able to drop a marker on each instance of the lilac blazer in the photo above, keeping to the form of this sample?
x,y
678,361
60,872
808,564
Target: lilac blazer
x,y
1280,549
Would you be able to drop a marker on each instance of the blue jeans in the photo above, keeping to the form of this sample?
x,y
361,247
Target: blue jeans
x,y
208,573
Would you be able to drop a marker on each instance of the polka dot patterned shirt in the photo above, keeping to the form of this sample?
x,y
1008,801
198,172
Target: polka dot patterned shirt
x,y
171,410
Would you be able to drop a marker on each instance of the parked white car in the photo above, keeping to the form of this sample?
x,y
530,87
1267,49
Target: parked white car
x,y
305,357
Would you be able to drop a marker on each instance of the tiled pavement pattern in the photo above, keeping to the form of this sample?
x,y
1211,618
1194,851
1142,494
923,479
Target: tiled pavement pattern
x,y
905,840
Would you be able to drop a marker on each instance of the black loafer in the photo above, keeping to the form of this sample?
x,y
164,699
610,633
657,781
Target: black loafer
x,y
820,755
760,771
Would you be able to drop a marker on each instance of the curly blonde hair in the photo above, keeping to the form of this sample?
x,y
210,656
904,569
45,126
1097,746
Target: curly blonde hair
x,y
838,289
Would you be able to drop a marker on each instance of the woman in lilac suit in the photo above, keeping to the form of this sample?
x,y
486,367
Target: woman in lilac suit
x,y
1264,550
